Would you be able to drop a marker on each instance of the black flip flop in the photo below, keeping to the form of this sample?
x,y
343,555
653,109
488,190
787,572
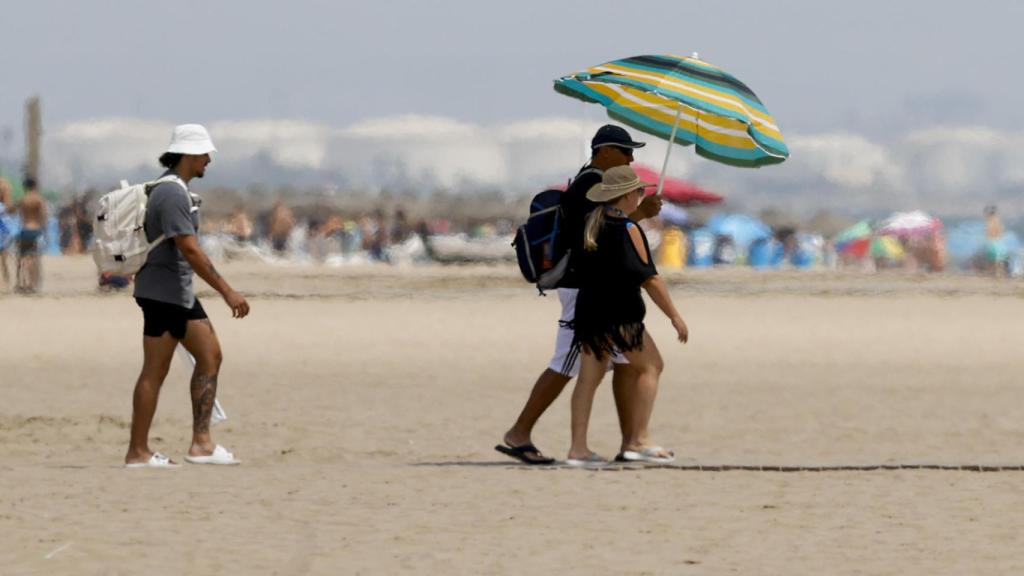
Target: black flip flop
x,y
520,453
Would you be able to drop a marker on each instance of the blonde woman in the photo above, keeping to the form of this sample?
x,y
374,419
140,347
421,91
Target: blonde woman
x,y
610,312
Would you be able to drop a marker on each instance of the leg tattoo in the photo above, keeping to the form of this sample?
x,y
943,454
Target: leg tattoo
x,y
204,390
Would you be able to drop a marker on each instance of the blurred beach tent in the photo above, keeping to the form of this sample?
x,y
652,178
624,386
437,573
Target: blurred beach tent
x,y
743,229
672,250
810,249
765,253
968,240
683,100
701,248
855,240
677,190
905,224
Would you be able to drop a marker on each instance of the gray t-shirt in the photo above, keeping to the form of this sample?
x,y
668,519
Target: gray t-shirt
x,y
167,275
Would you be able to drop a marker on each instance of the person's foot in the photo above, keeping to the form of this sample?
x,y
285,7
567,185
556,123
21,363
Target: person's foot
x,y
585,458
650,448
521,448
649,454
580,454
525,453
145,458
219,456
514,438
136,456
202,448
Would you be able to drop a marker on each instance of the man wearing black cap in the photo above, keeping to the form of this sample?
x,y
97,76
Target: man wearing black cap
x,y
611,146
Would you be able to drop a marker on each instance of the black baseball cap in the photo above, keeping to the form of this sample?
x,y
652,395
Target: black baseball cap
x,y
611,135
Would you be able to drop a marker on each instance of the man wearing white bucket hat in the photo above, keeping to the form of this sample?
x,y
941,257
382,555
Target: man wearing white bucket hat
x,y
171,311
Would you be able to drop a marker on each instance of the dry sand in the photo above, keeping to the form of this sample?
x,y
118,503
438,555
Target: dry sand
x,y
365,403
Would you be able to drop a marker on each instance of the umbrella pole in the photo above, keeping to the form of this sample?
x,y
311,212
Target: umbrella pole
x,y
668,151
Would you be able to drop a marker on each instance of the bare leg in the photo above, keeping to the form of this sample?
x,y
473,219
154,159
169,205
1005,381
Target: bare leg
x,y
591,372
623,381
201,341
157,354
648,364
19,272
3,269
34,271
547,388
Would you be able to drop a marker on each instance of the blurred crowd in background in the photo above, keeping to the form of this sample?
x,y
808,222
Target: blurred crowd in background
x,y
683,237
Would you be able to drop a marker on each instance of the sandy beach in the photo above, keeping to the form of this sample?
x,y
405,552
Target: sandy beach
x,y
365,403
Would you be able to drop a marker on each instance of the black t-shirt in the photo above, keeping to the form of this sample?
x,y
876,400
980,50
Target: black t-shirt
x,y
611,276
575,208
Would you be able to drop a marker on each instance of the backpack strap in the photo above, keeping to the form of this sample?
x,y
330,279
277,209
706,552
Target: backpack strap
x,y
588,169
165,178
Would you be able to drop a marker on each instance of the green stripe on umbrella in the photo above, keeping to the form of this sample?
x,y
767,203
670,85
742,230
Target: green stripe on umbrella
x,y
686,101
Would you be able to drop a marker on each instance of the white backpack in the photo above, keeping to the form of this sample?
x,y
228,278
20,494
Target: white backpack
x,y
119,243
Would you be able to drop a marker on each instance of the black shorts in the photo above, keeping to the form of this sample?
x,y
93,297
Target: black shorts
x,y
160,317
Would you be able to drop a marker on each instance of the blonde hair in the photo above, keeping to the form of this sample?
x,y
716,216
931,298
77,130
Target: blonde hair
x,y
595,220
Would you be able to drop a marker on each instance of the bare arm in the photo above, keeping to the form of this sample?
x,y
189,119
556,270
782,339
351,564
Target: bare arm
x,y
200,262
657,289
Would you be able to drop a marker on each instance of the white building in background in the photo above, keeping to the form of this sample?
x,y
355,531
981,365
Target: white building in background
x,y
952,170
417,154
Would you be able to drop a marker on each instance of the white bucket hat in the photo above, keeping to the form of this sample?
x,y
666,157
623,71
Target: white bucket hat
x,y
191,139
615,182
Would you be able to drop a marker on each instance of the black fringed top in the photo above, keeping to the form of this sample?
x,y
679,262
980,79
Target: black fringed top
x,y
609,308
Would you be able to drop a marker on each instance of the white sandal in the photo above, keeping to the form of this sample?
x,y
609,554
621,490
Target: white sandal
x,y
157,460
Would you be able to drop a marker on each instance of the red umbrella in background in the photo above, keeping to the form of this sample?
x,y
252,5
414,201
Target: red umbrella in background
x,y
676,190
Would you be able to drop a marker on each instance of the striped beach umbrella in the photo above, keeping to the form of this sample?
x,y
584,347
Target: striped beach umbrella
x,y
855,240
684,100
905,224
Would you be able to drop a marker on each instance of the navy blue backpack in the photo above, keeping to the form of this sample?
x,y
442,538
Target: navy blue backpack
x,y
543,257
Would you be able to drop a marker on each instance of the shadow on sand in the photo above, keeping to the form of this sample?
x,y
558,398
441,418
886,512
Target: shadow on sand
x,y
695,467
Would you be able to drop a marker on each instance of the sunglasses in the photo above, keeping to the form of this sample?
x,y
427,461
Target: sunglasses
x,y
625,151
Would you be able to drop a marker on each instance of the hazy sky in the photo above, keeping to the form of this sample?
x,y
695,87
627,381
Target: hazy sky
x,y
885,104
819,65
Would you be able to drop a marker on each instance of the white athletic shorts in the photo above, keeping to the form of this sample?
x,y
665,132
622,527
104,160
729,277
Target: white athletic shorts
x,y
567,296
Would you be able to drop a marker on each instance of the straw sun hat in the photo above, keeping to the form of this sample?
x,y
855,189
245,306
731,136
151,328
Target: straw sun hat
x,y
616,182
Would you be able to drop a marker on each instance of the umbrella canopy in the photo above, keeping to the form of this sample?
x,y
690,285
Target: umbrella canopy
x,y
887,247
905,224
686,101
676,190
855,240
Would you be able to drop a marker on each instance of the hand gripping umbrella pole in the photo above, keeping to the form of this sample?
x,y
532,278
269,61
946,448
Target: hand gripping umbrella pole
x,y
218,415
